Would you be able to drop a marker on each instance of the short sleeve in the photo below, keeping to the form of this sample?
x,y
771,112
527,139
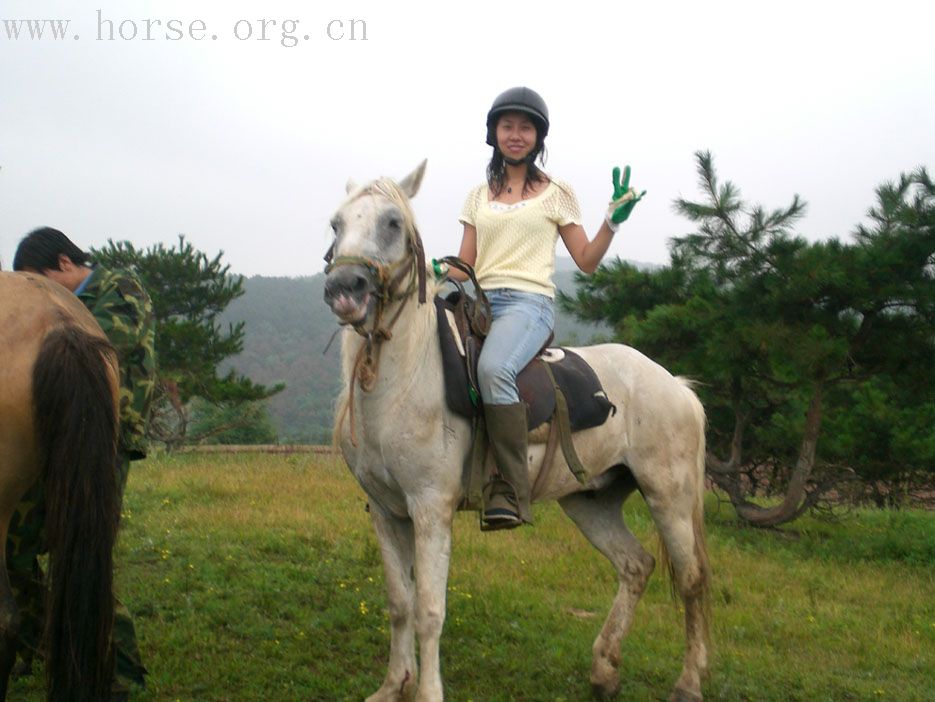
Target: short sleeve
x,y
562,205
471,203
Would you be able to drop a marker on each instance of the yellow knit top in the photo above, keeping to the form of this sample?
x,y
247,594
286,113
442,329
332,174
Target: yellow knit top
x,y
516,243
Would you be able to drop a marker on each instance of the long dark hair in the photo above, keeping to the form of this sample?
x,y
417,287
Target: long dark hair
x,y
496,169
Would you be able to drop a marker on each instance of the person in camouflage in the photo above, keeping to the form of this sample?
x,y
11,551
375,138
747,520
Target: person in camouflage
x,y
122,307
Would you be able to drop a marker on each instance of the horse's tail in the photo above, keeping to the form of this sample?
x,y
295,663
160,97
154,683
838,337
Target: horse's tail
x,y
699,422
74,397
701,544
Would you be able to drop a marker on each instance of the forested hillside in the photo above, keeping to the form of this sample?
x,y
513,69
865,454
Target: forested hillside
x,y
288,327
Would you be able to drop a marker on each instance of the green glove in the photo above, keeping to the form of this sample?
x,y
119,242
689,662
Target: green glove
x,y
624,200
439,269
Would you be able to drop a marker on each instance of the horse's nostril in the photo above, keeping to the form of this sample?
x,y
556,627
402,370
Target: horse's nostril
x,y
347,282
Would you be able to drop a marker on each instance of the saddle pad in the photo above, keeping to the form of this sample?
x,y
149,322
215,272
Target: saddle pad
x,y
588,405
453,361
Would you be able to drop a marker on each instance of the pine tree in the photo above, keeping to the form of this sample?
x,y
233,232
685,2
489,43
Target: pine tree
x,y
787,337
189,291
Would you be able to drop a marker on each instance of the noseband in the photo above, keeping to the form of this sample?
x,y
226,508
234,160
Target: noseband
x,y
388,280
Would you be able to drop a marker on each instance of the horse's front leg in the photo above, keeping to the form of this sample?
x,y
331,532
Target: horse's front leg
x,y
433,523
397,545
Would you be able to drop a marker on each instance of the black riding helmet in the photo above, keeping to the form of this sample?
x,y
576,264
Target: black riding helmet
x,y
523,100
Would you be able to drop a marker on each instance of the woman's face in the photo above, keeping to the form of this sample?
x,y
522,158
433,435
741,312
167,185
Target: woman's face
x,y
516,135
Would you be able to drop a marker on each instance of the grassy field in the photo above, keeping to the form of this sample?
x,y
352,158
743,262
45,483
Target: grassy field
x,y
256,577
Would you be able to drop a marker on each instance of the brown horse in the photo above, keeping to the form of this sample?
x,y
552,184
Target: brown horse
x,y
58,424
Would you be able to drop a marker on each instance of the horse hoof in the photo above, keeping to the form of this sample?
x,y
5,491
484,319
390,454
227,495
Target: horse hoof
x,y
605,692
605,678
404,693
680,695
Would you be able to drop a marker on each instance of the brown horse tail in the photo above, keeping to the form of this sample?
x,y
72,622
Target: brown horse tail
x,y
77,422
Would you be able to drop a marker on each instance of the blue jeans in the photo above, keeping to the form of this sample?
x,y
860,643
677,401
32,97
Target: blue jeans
x,y
522,322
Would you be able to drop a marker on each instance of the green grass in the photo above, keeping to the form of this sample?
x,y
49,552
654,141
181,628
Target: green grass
x,y
258,578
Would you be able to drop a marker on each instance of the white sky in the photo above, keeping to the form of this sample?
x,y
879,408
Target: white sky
x,y
245,146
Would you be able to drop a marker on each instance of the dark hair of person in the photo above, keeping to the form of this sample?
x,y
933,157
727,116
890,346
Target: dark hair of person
x,y
496,169
39,250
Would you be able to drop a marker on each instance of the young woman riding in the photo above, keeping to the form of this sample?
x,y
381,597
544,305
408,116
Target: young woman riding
x,y
511,223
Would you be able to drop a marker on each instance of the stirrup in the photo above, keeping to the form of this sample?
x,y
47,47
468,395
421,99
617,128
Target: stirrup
x,y
496,519
500,513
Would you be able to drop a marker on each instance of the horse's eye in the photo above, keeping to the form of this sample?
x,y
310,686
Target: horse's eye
x,y
395,222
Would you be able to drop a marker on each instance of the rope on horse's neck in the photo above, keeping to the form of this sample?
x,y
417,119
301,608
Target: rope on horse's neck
x,y
368,356
367,363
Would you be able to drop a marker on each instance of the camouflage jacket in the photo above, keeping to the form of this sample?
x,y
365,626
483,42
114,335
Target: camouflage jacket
x,y
122,307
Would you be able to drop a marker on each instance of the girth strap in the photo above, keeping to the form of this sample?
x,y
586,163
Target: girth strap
x,y
563,421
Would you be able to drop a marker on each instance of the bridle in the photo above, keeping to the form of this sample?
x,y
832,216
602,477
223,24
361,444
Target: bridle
x,y
390,283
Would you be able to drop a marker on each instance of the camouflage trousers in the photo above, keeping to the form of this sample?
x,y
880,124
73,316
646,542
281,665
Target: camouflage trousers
x,y
25,544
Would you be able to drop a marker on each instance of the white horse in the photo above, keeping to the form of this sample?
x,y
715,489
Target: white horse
x,y
406,448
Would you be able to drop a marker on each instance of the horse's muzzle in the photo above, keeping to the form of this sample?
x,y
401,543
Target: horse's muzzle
x,y
349,292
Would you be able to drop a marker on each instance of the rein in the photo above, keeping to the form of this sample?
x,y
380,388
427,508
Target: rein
x,y
389,280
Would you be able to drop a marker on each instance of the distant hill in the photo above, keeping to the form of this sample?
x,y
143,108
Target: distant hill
x,y
288,326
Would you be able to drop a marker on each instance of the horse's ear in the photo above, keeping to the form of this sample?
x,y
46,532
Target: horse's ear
x,y
351,185
410,184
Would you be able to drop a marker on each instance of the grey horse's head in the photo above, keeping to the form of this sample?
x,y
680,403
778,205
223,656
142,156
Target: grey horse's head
x,y
373,247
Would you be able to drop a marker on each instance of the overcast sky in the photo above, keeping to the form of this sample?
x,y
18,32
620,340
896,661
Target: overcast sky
x,y
245,145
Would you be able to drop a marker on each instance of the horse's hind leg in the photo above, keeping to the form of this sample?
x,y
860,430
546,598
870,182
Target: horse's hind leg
x,y
397,544
680,521
599,517
8,622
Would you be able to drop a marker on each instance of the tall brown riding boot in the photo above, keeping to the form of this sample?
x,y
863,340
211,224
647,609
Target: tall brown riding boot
x,y
506,497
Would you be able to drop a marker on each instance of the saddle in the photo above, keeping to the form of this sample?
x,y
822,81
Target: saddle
x,y
551,369
557,386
